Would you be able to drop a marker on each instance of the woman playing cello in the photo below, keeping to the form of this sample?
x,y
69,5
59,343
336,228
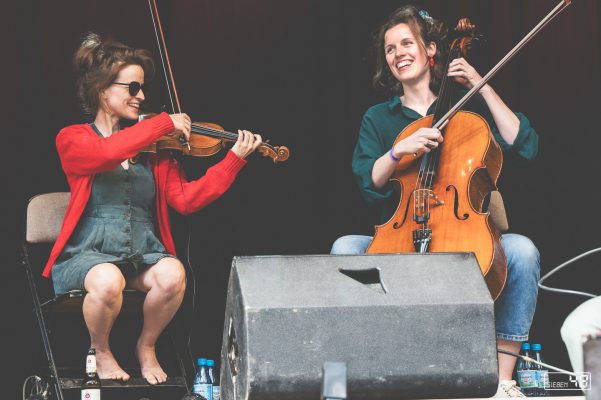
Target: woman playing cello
x,y
116,230
409,51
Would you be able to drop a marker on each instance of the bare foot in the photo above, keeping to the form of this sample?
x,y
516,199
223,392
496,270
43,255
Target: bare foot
x,y
151,370
108,368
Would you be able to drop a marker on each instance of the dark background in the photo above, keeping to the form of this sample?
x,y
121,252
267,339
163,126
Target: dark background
x,y
299,73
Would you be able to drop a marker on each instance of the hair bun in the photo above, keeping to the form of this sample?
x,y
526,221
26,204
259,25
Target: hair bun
x,y
89,53
91,41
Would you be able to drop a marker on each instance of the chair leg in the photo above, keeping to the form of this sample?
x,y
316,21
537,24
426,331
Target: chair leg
x,y
42,324
188,378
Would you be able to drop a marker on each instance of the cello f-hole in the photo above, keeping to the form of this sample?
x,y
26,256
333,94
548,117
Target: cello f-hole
x,y
456,204
396,225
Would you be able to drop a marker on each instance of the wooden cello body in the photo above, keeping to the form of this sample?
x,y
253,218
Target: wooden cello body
x,y
469,163
443,192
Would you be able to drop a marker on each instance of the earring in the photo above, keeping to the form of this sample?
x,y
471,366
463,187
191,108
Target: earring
x,y
431,61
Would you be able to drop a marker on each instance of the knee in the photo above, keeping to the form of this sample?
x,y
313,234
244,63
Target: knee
x,y
106,282
339,246
350,244
522,255
171,277
581,321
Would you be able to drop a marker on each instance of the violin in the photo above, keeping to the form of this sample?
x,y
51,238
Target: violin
x,y
206,138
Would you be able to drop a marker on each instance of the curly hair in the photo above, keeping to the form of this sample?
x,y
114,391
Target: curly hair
x,y
97,64
427,30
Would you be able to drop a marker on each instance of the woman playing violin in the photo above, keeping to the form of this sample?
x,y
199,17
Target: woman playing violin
x,y
116,231
409,48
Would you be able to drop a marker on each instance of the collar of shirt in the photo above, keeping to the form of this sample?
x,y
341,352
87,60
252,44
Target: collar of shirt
x,y
394,104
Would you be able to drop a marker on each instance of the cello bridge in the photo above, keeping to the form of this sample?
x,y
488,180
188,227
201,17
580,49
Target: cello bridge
x,y
425,196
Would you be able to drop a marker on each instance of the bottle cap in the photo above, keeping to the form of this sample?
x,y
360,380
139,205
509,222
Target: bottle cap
x,y
536,346
201,361
210,363
525,346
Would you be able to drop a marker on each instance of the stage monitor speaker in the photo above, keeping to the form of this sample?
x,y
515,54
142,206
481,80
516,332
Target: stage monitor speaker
x,y
406,325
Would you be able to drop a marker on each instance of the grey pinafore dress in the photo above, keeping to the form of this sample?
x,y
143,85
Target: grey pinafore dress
x,y
117,227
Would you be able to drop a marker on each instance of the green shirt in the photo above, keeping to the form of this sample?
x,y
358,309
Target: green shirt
x,y
383,122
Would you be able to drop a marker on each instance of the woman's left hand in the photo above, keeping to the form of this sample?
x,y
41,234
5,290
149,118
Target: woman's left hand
x,y
463,73
247,143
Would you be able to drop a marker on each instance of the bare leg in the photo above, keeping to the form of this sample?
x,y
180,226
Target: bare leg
x,y
507,362
104,284
165,283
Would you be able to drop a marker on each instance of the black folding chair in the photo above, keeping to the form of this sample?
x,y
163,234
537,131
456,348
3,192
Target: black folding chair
x,y
44,219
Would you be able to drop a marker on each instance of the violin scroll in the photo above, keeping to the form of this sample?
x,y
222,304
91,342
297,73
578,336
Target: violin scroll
x,y
277,153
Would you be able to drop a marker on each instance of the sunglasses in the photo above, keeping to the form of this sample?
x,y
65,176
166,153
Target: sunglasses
x,y
133,87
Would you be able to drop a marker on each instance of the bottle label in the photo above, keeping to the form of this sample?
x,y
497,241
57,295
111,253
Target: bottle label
x,y
204,389
216,392
527,379
90,394
90,364
543,379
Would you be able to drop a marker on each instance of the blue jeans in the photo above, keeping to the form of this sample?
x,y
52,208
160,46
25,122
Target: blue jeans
x,y
514,309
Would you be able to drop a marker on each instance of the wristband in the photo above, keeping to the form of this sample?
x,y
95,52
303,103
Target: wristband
x,y
392,157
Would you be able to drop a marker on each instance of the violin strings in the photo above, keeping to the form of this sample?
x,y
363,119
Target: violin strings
x,y
205,130
214,132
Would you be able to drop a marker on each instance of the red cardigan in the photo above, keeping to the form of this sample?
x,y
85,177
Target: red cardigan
x,y
83,154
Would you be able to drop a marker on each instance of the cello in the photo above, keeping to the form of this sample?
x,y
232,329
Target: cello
x,y
442,192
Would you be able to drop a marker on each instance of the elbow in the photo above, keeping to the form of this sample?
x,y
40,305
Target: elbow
x,y
377,185
181,207
185,211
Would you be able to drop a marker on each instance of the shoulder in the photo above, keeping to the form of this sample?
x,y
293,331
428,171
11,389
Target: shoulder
x,y
379,109
74,130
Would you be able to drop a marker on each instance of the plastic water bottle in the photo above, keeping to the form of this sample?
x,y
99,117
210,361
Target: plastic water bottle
x,y
542,373
216,387
526,373
202,381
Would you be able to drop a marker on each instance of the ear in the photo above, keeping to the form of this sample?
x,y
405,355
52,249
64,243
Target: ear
x,y
431,49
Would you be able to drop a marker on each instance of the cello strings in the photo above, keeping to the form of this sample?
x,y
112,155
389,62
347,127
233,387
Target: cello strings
x,y
430,167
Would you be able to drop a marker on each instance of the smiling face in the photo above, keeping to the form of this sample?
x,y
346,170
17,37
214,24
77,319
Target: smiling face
x,y
406,55
116,100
